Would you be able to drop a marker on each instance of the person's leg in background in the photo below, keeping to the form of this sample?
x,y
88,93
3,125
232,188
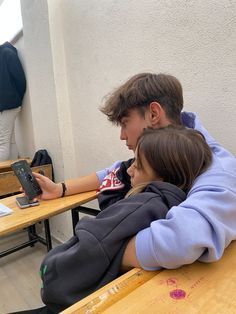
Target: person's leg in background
x,y
14,154
7,124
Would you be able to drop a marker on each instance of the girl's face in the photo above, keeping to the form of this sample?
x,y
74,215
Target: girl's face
x,y
141,175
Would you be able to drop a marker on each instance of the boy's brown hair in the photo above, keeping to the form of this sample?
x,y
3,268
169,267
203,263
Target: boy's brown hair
x,y
142,89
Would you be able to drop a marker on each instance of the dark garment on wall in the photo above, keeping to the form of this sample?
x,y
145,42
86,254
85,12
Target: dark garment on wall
x,y
12,78
41,157
92,258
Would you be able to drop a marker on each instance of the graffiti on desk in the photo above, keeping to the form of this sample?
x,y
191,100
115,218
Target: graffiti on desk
x,y
177,294
196,283
168,282
171,282
181,287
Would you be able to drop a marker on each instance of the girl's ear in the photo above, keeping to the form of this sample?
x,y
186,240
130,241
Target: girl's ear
x,y
155,113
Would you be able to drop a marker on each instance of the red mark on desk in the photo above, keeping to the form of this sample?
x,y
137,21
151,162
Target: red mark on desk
x,y
178,294
171,281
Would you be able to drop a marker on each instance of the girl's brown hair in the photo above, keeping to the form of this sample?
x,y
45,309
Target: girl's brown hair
x,y
178,155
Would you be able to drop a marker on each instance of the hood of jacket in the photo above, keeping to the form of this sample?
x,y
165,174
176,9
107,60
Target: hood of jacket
x,y
169,193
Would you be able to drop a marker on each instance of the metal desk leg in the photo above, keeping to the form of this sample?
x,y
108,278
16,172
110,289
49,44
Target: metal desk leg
x,y
32,234
82,209
48,234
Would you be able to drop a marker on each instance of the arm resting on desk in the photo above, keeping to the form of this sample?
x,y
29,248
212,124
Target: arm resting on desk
x,y
53,190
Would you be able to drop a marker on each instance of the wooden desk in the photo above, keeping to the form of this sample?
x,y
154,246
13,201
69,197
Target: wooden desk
x,y
6,165
22,218
197,288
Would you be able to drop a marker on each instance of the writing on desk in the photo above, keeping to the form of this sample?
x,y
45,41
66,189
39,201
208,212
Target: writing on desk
x,y
171,282
196,283
179,294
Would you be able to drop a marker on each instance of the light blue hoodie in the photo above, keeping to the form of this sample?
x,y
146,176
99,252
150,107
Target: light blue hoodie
x,y
203,225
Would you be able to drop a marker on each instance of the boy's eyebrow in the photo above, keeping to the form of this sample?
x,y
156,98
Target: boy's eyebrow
x,y
124,118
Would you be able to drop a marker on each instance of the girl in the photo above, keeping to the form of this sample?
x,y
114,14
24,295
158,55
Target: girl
x,y
172,154
166,163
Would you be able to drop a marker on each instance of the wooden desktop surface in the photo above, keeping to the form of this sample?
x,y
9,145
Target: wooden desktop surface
x,y
196,288
6,165
22,218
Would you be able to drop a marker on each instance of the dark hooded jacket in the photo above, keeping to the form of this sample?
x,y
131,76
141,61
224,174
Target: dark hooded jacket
x,y
92,258
12,78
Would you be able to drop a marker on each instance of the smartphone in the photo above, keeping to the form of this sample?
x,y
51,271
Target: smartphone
x,y
28,182
24,202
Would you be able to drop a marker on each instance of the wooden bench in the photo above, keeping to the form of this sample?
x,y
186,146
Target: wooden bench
x,y
10,185
6,165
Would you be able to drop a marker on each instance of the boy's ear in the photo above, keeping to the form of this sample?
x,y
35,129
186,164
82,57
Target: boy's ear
x,y
155,111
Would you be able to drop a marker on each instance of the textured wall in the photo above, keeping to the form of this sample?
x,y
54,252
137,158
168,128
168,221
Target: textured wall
x,y
105,44
78,51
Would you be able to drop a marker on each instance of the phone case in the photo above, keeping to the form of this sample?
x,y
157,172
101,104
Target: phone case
x,y
28,182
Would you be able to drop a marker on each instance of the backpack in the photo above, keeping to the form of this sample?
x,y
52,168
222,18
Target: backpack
x,y
42,157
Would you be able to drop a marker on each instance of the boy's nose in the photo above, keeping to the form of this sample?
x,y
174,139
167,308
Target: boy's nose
x,y
123,136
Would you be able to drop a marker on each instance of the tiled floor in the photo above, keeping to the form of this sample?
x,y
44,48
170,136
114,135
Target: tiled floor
x,y
19,275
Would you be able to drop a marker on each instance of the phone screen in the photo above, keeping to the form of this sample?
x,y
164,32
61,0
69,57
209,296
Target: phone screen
x,y
24,202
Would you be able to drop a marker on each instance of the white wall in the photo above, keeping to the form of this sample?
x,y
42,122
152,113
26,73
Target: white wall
x,y
24,132
77,51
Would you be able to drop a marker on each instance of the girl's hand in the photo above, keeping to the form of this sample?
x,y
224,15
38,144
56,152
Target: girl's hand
x,y
50,189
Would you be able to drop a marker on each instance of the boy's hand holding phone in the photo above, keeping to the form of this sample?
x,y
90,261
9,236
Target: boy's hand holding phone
x,y
50,189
